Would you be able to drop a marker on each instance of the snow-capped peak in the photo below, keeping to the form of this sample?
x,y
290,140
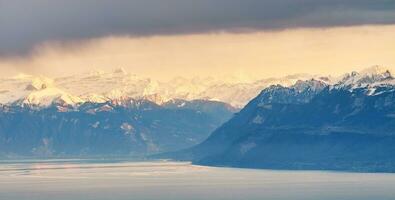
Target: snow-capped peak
x,y
312,84
369,76
376,70
39,83
48,96
34,91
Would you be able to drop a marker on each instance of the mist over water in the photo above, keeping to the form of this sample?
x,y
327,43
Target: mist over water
x,y
89,179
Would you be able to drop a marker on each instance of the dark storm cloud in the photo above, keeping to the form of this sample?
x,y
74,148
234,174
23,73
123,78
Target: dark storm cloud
x,y
25,23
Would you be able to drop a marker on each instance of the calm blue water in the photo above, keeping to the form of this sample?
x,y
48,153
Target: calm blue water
x,y
86,180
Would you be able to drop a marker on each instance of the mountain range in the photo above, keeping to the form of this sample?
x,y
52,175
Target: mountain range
x,y
116,128
115,113
348,124
100,87
295,122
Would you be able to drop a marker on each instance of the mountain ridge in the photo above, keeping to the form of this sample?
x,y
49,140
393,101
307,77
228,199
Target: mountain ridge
x,y
310,125
102,86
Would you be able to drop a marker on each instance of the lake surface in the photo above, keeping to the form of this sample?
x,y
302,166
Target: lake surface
x,y
121,180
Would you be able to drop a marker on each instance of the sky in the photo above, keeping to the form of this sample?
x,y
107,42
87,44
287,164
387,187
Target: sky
x,y
250,39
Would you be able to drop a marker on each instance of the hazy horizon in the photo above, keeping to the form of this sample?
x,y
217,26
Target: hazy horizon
x,y
248,56
164,39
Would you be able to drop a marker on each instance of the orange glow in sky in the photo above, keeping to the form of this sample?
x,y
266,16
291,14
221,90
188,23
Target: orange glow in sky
x,y
249,55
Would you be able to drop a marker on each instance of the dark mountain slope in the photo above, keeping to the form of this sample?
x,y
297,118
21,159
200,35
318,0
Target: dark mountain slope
x,y
312,127
133,127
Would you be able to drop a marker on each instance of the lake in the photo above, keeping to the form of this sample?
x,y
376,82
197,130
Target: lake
x,y
121,180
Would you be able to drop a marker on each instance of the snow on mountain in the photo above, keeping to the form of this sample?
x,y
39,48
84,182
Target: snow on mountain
x,y
373,75
112,84
368,79
238,94
46,97
36,91
100,87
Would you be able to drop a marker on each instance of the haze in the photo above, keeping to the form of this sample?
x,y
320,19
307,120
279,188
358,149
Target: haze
x,y
162,39
249,55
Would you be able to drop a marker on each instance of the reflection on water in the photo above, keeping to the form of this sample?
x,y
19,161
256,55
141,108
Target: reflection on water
x,y
117,179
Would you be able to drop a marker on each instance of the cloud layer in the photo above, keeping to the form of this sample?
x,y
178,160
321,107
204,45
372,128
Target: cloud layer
x,y
25,24
252,55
